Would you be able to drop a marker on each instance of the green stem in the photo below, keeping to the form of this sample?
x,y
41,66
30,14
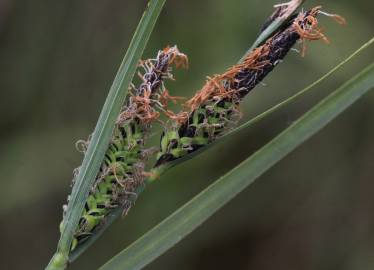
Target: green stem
x,y
103,132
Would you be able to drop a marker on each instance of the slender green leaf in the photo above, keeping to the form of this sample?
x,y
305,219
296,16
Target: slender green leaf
x,y
103,132
195,212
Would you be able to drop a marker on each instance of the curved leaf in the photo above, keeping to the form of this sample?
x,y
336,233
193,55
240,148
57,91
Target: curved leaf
x,y
195,212
103,132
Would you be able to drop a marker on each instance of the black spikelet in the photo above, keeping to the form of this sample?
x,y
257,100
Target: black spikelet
x,y
214,108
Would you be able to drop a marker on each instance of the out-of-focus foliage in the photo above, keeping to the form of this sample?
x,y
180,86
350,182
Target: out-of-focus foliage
x,y
58,58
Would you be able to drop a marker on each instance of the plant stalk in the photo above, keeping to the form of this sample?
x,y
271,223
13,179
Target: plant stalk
x,y
102,134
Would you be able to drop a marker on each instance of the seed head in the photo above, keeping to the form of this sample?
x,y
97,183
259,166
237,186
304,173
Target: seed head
x,y
214,108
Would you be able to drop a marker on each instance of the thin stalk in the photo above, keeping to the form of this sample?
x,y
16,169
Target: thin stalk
x,y
103,132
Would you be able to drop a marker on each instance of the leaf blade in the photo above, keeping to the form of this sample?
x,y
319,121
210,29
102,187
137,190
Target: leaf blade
x,y
195,212
103,131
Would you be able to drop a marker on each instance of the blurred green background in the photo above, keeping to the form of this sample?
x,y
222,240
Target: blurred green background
x,y
314,210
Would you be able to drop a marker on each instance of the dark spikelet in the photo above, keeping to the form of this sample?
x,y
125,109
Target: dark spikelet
x,y
274,50
151,96
214,108
156,70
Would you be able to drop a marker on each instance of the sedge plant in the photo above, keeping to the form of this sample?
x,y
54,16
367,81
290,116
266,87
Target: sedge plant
x,y
114,172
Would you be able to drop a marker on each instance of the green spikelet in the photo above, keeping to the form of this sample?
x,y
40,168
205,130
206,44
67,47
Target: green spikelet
x,y
122,171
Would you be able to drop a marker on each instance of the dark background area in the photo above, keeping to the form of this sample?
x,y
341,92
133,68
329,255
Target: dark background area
x,y
314,210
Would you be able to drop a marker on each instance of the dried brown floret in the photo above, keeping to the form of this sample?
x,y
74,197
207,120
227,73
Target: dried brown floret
x,y
151,95
165,98
260,62
179,118
214,108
